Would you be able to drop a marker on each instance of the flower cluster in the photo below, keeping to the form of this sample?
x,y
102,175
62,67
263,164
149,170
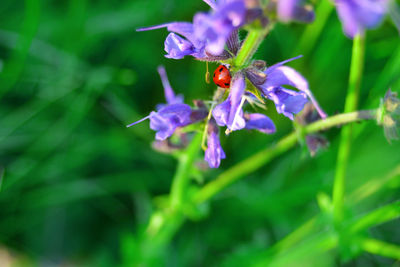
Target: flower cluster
x,y
213,36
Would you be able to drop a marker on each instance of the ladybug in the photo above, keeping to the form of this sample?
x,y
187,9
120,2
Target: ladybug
x,y
222,77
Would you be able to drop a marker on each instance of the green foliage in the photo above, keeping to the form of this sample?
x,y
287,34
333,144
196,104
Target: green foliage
x,y
77,187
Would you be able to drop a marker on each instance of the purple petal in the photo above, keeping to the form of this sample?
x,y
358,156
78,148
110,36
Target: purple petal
x,y
136,122
283,75
182,28
179,113
169,93
287,102
215,28
259,122
168,118
235,119
214,152
273,67
161,125
177,47
211,3
229,113
221,112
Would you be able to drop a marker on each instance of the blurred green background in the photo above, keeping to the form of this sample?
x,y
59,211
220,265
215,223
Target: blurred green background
x,y
78,185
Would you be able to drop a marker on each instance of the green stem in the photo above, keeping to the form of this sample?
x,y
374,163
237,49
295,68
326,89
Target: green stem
x,y
261,158
381,248
181,178
356,69
250,45
376,217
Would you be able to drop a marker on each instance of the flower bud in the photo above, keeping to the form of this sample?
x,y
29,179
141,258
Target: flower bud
x,y
389,115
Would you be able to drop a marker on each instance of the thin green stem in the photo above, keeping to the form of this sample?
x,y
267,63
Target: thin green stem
x,y
381,248
376,217
181,178
164,223
356,69
259,159
250,45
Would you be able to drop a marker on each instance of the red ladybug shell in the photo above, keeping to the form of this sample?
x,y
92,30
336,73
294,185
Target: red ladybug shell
x,y
222,77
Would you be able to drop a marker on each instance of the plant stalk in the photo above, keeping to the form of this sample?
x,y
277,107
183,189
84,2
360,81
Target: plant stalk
x,y
356,69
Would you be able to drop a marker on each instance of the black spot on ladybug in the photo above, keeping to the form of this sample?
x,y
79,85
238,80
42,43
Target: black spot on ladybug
x,y
220,70
214,75
226,84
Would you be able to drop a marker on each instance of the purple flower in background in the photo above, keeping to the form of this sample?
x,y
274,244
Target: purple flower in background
x,y
358,15
214,152
294,10
229,113
171,115
288,102
259,122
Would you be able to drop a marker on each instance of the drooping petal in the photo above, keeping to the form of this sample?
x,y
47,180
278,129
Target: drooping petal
x,y
259,122
214,152
238,86
287,102
284,75
168,91
221,112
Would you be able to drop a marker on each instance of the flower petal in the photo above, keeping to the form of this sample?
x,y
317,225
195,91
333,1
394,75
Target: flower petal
x,y
221,112
215,28
168,118
259,122
283,75
214,152
287,102
168,92
235,119
177,47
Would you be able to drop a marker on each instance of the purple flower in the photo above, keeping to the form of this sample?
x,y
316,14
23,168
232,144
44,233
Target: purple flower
x,y
172,115
229,113
205,39
294,10
260,122
167,119
358,15
287,101
214,152
215,28
177,46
